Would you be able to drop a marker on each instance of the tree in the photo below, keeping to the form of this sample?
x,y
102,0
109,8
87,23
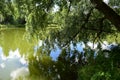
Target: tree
x,y
107,11
61,22
40,14
76,21
82,20
77,17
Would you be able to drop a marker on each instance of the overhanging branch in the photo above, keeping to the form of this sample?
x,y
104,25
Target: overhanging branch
x,y
82,27
108,12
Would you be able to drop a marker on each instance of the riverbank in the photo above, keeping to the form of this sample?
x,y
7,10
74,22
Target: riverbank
x,y
12,26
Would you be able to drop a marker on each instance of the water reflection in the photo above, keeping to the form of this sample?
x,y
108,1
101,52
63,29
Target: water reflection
x,y
10,39
13,53
20,58
12,66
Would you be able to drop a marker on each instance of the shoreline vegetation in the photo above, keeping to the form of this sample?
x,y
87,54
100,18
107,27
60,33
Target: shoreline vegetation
x,y
10,26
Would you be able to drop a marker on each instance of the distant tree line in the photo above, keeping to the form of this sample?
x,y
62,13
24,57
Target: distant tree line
x,y
9,19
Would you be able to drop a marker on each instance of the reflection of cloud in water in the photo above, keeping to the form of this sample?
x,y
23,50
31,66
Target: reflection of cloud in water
x,y
36,47
15,65
11,64
92,45
20,72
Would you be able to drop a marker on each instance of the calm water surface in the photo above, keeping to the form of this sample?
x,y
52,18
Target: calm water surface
x,y
14,51
20,57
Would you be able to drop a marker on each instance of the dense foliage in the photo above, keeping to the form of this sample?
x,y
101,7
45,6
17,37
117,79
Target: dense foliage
x,y
78,20
61,22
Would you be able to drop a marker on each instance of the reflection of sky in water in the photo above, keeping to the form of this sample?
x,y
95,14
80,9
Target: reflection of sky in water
x,y
15,65
12,65
55,53
80,46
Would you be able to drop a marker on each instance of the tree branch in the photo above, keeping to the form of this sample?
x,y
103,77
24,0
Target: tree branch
x,y
108,12
82,27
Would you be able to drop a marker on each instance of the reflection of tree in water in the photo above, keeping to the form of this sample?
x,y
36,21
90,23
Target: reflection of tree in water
x,y
65,68
11,39
105,66
72,65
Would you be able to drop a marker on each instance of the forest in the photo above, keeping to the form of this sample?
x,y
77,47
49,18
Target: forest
x,y
62,23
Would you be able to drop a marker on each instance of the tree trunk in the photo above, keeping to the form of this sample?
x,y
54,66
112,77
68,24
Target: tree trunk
x,y
108,12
